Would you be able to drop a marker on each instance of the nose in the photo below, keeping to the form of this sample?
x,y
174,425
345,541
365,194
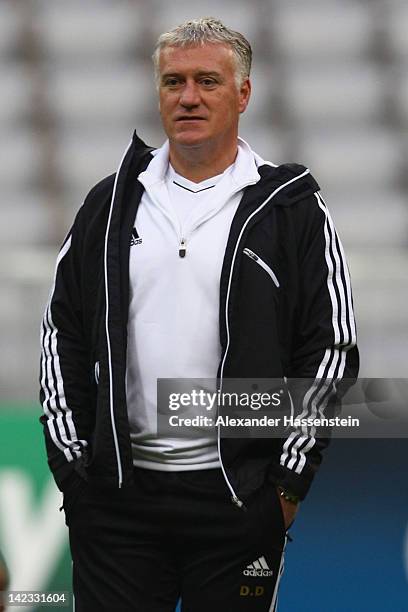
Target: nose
x,y
190,95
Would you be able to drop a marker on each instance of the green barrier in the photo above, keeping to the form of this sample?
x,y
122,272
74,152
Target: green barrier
x,y
33,535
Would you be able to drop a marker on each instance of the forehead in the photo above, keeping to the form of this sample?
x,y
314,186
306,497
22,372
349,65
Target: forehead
x,y
202,58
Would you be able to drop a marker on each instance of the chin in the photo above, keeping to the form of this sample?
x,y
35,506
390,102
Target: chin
x,y
189,140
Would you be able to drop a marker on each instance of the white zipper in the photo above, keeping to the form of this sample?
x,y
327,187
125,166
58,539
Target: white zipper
x,y
108,341
263,265
97,372
235,498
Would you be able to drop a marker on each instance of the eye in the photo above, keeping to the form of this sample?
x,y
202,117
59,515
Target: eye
x,y
207,82
171,82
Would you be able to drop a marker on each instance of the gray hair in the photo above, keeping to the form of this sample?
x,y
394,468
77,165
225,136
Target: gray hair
x,y
204,30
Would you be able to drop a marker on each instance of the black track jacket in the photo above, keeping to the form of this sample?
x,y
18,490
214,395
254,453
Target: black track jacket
x,y
302,329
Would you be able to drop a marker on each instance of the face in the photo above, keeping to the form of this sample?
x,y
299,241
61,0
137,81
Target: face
x,y
199,98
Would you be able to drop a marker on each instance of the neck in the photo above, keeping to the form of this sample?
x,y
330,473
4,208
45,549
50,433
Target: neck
x,y
202,162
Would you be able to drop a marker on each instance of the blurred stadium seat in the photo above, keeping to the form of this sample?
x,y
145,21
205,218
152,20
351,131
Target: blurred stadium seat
x,y
362,158
11,29
397,28
19,159
26,222
335,93
101,94
310,31
385,210
16,102
402,96
99,31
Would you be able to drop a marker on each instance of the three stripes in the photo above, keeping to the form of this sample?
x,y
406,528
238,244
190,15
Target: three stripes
x,y
59,416
332,366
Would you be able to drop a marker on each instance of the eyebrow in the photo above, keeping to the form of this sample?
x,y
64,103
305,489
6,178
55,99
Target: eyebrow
x,y
212,73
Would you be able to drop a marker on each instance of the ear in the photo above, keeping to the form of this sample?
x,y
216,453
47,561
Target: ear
x,y
244,95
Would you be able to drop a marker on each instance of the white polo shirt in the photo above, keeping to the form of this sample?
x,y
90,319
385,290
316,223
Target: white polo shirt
x,y
173,326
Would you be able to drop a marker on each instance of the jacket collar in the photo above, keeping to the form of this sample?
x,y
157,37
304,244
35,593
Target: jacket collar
x,y
244,172
259,174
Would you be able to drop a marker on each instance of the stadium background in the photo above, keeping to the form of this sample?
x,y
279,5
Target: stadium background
x,y
330,89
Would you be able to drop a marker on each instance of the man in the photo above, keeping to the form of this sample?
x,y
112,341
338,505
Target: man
x,y
196,260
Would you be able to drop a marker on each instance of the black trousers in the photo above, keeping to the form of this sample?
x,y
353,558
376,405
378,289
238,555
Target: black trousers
x,y
174,535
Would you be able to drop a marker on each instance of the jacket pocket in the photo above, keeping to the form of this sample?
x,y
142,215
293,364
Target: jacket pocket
x,y
262,264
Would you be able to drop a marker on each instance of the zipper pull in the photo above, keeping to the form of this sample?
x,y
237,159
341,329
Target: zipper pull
x,y
240,504
182,248
251,254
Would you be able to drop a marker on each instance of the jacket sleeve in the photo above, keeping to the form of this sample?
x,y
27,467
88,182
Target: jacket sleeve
x,y
65,380
324,357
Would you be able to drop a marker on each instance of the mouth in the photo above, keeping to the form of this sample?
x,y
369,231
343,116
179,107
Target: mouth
x,y
189,118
